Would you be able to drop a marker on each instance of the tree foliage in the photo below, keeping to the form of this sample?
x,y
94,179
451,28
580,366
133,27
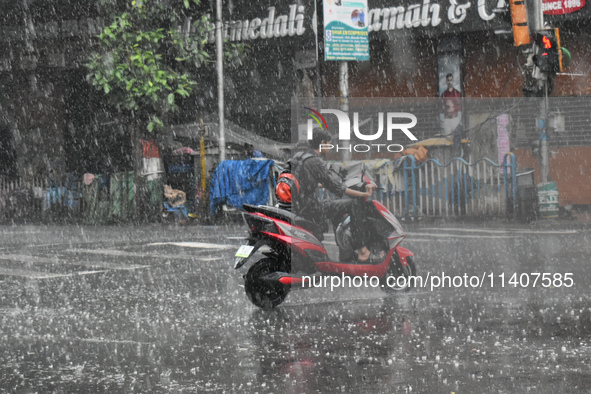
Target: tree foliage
x,y
149,56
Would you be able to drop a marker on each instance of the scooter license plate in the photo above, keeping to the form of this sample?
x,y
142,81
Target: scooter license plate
x,y
244,251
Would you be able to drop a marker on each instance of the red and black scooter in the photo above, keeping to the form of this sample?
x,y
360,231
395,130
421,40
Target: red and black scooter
x,y
295,258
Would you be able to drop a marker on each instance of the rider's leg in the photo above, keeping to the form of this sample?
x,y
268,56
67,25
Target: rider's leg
x,y
335,210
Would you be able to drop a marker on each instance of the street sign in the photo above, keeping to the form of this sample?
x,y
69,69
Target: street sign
x,y
345,30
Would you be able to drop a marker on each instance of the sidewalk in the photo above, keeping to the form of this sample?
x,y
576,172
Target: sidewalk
x,y
575,218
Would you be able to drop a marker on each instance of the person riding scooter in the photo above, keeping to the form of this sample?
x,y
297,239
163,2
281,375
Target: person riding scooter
x,y
286,250
311,173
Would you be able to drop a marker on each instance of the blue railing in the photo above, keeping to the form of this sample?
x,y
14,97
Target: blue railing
x,y
457,188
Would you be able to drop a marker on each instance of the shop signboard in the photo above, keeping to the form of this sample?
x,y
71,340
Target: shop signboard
x,y
346,35
562,7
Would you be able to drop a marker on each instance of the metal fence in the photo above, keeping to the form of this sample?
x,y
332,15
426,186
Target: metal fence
x,y
408,189
458,188
38,197
103,200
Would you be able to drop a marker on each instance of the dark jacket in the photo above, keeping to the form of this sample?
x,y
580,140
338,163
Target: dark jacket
x,y
310,172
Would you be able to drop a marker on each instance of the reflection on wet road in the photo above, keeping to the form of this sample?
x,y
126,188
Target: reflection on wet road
x,y
141,310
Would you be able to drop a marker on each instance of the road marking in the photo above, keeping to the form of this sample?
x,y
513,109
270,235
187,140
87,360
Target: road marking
x,y
504,231
211,258
202,245
6,233
121,253
27,274
55,260
92,340
100,340
43,275
29,258
413,240
458,236
238,238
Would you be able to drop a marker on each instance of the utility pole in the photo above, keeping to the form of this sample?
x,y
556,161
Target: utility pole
x,y
537,24
220,71
344,86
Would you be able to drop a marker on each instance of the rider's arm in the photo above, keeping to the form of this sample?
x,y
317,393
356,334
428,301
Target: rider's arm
x,y
333,182
330,180
354,193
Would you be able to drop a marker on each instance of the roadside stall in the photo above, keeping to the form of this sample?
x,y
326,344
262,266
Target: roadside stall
x,y
238,182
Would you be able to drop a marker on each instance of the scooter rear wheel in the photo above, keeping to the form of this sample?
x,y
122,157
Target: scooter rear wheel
x,y
397,270
261,293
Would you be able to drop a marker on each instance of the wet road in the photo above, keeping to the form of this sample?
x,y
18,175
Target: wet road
x,y
109,309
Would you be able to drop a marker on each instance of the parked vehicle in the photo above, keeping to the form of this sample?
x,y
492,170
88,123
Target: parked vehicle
x,y
293,256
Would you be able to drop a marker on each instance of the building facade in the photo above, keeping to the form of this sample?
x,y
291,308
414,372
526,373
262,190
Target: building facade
x,y
52,118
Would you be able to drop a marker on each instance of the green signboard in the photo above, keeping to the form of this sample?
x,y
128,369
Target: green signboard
x,y
345,30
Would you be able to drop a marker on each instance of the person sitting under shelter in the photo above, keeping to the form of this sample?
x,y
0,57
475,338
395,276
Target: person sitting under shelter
x,y
175,202
251,152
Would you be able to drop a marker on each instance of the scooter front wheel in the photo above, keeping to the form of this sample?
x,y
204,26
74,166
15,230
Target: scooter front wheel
x,y
397,276
261,293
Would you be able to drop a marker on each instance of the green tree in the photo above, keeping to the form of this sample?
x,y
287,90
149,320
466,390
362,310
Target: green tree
x,y
148,59
145,60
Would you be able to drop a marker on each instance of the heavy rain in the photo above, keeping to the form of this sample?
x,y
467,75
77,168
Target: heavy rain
x,y
373,196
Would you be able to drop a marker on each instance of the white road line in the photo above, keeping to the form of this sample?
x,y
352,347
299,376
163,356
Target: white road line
x,y
100,340
122,253
43,275
29,258
19,232
91,340
413,240
202,245
507,231
55,260
27,274
86,272
211,258
467,230
457,235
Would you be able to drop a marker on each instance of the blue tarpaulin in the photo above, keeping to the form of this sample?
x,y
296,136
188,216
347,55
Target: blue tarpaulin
x,y
240,182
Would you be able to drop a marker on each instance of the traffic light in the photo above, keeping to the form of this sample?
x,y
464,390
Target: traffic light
x,y
519,22
546,51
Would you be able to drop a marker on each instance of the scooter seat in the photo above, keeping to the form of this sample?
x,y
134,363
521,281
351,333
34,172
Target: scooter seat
x,y
287,216
272,212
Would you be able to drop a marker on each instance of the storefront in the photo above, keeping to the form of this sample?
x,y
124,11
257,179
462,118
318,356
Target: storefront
x,y
417,49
